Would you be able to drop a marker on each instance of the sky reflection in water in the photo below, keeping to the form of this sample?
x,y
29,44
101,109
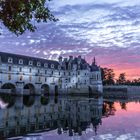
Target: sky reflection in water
x,y
82,118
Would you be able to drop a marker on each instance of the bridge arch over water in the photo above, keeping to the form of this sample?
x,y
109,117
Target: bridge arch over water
x,y
9,86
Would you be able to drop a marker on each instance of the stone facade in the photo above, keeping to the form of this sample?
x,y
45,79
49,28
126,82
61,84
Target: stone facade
x,y
27,75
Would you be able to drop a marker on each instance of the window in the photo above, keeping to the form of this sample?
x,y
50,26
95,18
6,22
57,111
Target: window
x,y
30,63
30,78
46,65
78,72
21,78
59,72
38,64
9,68
64,73
45,79
9,77
52,72
69,74
30,70
45,71
20,69
52,66
10,60
59,67
38,71
39,79
20,61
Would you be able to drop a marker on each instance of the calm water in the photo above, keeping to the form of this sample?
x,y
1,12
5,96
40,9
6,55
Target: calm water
x,y
71,118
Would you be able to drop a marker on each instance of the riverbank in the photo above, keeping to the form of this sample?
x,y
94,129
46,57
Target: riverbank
x,y
121,91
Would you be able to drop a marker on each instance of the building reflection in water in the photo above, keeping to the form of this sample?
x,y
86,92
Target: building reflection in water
x,y
24,115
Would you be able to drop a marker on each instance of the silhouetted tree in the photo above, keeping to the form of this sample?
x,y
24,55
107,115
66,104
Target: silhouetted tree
x,y
21,15
123,106
136,82
108,76
122,79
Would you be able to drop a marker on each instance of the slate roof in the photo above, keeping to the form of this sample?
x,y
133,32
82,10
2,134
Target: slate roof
x,y
26,59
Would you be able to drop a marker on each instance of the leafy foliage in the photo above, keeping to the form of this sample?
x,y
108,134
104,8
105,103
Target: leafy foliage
x,y
122,79
21,15
108,76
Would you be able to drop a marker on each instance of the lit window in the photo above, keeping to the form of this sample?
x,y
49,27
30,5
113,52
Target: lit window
x,y
10,60
30,63
20,61
38,64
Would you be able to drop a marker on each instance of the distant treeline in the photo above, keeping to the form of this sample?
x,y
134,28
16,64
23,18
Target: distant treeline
x,y
108,77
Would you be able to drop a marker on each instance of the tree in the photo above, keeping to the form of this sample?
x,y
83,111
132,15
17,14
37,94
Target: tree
x,y
20,15
108,76
122,79
136,82
123,106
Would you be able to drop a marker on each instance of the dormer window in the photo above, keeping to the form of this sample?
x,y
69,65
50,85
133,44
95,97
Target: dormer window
x,y
46,65
30,63
52,66
10,60
59,67
38,64
20,61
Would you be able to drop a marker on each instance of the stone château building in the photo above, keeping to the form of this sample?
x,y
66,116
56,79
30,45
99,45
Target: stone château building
x,y
27,75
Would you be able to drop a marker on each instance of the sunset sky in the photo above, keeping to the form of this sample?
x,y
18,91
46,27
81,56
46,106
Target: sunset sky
x,y
106,29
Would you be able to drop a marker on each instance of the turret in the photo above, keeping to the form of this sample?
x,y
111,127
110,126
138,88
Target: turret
x,y
94,61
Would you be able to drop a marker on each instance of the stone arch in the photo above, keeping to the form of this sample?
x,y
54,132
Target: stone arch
x,y
9,86
56,90
30,88
45,89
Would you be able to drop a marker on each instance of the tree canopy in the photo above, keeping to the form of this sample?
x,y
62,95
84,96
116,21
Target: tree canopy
x,y
21,15
108,76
